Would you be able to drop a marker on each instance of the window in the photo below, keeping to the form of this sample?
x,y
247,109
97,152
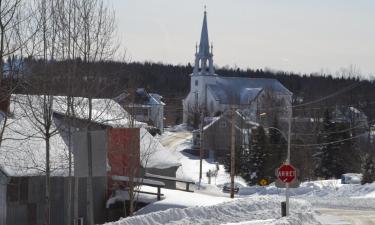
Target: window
x,y
196,82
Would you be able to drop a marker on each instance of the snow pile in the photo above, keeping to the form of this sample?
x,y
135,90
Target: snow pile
x,y
153,154
322,188
241,210
324,193
178,199
170,199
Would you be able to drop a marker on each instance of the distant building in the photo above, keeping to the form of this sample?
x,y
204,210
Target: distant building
x,y
214,94
352,116
145,107
356,121
217,135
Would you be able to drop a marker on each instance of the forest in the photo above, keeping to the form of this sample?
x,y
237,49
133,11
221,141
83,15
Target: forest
x,y
312,93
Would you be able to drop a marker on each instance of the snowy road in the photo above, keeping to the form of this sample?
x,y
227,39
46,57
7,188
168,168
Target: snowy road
x,y
346,217
175,139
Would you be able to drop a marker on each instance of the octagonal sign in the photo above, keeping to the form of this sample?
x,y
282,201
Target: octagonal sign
x,y
286,173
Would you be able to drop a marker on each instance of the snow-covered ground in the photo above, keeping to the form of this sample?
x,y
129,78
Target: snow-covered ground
x,y
252,205
253,210
177,139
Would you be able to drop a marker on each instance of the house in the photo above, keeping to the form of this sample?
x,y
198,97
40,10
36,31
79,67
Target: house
x,y
22,162
145,107
217,132
352,116
23,159
213,94
110,117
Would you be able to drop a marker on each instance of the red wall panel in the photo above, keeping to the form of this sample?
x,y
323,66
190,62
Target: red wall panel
x,y
123,153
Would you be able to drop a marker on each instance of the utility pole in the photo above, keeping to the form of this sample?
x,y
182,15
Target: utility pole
x,y
201,150
288,159
232,153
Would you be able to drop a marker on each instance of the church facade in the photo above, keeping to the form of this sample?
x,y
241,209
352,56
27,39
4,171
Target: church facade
x,y
213,95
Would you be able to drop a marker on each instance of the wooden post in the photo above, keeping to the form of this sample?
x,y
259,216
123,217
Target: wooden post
x,y
159,193
232,154
201,150
187,186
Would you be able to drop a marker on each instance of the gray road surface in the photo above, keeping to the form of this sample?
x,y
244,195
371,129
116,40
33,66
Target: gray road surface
x,y
346,217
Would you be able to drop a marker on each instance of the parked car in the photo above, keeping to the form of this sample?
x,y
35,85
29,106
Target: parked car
x,y
227,187
351,178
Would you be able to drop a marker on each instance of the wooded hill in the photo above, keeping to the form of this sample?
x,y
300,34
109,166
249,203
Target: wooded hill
x,y
312,93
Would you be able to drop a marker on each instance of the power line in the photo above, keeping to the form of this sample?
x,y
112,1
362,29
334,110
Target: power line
x,y
328,143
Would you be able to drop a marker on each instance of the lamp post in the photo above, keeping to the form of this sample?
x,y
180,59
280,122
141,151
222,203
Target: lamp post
x,y
288,162
288,154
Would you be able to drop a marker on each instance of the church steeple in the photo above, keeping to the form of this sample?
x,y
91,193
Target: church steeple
x,y
203,58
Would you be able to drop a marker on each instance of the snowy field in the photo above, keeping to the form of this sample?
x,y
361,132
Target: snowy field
x,y
252,205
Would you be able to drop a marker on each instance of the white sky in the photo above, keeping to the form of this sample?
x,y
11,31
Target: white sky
x,y
290,35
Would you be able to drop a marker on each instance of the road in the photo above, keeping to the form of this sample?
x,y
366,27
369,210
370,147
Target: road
x,y
346,217
175,139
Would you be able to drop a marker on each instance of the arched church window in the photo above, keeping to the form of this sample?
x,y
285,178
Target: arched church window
x,y
196,82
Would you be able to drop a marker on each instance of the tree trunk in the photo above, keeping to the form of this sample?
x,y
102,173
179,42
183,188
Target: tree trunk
x,y
48,189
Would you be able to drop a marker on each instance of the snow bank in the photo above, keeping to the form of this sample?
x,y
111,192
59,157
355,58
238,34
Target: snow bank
x,y
323,188
153,154
325,193
238,211
180,199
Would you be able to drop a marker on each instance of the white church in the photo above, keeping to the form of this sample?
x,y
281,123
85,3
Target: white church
x,y
214,94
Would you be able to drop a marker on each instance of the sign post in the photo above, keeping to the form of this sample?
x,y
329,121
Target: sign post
x,y
286,174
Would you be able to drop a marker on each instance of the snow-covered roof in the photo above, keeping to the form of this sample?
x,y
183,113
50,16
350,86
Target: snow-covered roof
x,y
104,111
23,146
142,98
240,90
349,114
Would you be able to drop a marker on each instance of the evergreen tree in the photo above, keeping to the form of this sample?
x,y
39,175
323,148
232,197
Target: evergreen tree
x,y
250,161
368,170
329,157
256,157
239,160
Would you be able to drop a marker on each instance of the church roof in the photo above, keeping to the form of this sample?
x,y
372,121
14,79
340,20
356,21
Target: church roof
x,y
240,90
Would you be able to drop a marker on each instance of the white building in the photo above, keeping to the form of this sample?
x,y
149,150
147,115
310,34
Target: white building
x,y
215,94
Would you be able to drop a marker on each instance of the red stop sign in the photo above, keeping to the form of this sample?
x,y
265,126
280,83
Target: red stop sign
x,y
286,173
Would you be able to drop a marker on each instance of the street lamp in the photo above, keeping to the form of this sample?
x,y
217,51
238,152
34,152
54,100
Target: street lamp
x,y
288,154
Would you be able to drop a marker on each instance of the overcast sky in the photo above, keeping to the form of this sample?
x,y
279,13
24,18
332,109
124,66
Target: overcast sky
x,y
290,35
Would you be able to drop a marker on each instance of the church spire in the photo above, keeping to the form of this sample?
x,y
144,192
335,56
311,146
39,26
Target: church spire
x,y
204,43
203,58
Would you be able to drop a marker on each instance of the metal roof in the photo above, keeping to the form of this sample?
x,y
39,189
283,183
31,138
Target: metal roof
x,y
241,90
